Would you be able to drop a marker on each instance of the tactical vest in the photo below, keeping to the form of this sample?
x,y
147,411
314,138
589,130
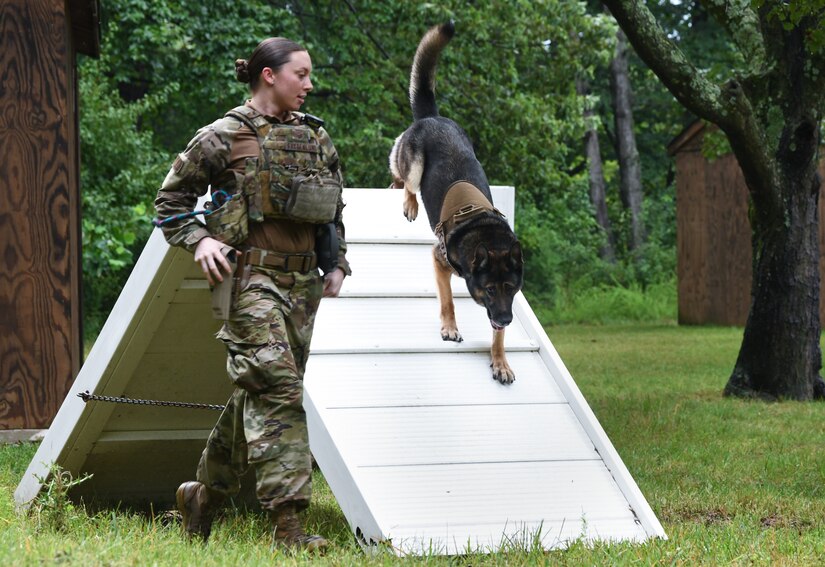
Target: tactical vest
x,y
296,174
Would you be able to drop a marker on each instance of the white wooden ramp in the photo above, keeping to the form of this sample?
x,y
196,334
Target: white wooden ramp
x,y
424,452
422,448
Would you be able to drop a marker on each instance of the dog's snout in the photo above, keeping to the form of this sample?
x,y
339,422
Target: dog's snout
x,y
501,321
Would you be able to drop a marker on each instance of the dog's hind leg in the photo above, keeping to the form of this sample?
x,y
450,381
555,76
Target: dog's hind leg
x,y
501,369
406,168
410,205
412,185
443,273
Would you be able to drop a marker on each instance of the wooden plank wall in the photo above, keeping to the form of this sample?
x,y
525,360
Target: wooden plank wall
x,y
714,239
691,238
40,322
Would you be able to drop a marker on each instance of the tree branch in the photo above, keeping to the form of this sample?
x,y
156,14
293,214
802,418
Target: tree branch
x,y
667,61
728,106
742,24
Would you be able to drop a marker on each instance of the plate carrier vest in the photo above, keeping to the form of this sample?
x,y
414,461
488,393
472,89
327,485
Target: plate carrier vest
x,y
296,174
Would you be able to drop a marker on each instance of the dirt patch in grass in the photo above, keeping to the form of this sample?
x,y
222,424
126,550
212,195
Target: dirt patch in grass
x,y
777,521
706,517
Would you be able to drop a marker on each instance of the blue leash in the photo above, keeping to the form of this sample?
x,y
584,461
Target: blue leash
x,y
219,197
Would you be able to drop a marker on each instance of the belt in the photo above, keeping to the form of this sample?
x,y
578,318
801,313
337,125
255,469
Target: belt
x,y
279,261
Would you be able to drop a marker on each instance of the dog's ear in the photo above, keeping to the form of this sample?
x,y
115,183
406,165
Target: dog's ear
x,y
516,257
480,257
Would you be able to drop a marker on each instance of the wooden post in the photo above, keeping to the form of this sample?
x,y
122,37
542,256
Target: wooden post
x,y
40,319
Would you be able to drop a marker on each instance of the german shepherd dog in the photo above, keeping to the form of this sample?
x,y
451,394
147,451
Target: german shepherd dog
x,y
435,156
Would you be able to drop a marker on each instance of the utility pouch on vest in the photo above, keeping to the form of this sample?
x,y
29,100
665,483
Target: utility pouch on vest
x,y
313,198
326,247
252,189
229,223
222,292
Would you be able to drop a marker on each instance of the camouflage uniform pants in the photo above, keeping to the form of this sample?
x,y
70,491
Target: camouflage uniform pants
x,y
264,425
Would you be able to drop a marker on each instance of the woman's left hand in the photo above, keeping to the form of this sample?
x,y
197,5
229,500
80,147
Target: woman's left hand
x,y
332,282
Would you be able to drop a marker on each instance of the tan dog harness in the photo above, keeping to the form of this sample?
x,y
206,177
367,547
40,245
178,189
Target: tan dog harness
x,y
462,202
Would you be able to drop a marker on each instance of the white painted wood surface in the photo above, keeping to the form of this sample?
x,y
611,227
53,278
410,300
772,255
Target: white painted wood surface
x,y
423,450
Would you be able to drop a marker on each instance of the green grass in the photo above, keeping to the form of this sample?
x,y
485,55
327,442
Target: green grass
x,y
733,482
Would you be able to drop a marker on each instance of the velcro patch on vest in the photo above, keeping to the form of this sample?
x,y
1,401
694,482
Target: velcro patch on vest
x,y
184,166
308,147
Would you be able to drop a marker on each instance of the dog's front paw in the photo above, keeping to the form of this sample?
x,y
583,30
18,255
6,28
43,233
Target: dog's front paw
x,y
411,209
451,334
503,373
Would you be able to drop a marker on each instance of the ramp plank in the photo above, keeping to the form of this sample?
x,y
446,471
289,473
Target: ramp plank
x,y
405,325
396,380
394,270
380,437
440,504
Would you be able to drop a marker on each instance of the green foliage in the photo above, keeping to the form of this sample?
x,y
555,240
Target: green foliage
x,y
658,120
508,77
799,12
714,143
120,169
617,304
154,44
493,80
52,508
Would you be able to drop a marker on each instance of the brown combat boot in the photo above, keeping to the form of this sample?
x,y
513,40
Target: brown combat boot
x,y
197,504
289,532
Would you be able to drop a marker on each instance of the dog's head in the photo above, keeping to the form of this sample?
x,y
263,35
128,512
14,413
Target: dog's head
x,y
496,275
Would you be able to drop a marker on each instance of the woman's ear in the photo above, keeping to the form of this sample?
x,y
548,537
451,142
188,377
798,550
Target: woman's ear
x,y
268,75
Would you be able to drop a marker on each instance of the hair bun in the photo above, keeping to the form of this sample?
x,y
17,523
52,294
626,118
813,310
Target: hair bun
x,y
242,70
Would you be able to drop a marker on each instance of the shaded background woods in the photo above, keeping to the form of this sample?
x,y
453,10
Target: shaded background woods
x,y
527,80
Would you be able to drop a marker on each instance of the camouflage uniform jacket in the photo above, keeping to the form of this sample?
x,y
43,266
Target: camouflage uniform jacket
x,y
206,163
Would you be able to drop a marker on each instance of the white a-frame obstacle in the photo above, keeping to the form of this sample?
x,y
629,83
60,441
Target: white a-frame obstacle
x,y
424,452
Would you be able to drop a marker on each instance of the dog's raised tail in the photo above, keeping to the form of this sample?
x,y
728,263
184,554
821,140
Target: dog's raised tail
x,y
422,76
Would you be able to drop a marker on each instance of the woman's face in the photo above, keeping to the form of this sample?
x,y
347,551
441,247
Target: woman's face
x,y
291,82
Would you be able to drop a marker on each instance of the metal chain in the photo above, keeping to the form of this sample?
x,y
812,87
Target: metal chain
x,y
87,397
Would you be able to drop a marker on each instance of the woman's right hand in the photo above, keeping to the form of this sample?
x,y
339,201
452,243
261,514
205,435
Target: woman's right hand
x,y
212,261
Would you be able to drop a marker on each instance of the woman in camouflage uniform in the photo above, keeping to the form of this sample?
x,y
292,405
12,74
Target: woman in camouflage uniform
x,y
268,331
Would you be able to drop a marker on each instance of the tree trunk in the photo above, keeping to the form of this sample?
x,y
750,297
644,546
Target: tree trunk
x,y
607,251
629,163
780,357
